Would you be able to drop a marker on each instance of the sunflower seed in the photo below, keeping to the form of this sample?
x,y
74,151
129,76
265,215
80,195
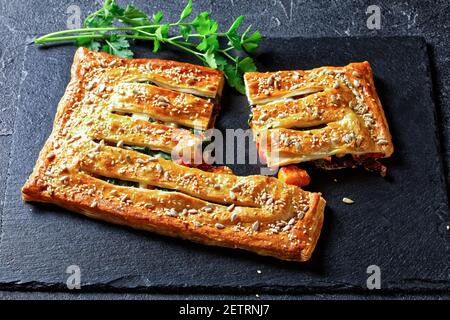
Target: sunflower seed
x,y
219,226
347,201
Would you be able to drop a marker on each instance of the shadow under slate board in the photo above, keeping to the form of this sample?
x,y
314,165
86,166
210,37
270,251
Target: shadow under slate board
x,y
397,223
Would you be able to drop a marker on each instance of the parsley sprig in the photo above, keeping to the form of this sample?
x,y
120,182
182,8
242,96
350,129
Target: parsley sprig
x,y
112,28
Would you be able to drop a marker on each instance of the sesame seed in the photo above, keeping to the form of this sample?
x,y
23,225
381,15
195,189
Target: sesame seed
x,y
172,213
356,83
119,144
286,228
196,224
347,200
64,179
208,209
231,207
93,204
300,215
255,226
89,86
291,222
51,155
159,168
192,211
219,226
232,195
233,217
336,85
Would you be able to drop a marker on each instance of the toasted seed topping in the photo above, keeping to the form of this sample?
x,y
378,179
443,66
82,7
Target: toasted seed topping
x,y
233,217
255,226
119,144
231,207
196,224
219,226
64,179
348,201
208,209
192,211
232,195
173,212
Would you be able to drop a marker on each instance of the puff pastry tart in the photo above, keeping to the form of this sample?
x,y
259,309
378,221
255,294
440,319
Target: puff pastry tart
x,y
315,114
107,159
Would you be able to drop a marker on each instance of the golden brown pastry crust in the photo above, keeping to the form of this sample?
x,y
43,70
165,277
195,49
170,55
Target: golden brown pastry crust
x,y
89,144
314,114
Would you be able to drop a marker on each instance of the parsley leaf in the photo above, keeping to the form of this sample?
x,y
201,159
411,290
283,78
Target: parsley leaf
x,y
118,46
120,25
211,59
251,43
232,35
186,12
134,17
204,25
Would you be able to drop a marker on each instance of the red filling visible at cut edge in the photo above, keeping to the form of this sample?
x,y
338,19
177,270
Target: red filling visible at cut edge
x,y
367,161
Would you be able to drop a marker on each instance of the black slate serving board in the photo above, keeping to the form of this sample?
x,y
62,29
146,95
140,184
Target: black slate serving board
x,y
398,223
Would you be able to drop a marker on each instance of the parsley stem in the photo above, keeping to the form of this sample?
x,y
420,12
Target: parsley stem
x,y
178,45
92,36
82,30
229,56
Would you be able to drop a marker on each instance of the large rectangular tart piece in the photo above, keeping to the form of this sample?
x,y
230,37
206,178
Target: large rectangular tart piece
x,y
109,157
300,115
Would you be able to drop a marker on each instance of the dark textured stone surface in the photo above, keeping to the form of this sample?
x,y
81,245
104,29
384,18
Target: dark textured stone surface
x,y
411,248
397,224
